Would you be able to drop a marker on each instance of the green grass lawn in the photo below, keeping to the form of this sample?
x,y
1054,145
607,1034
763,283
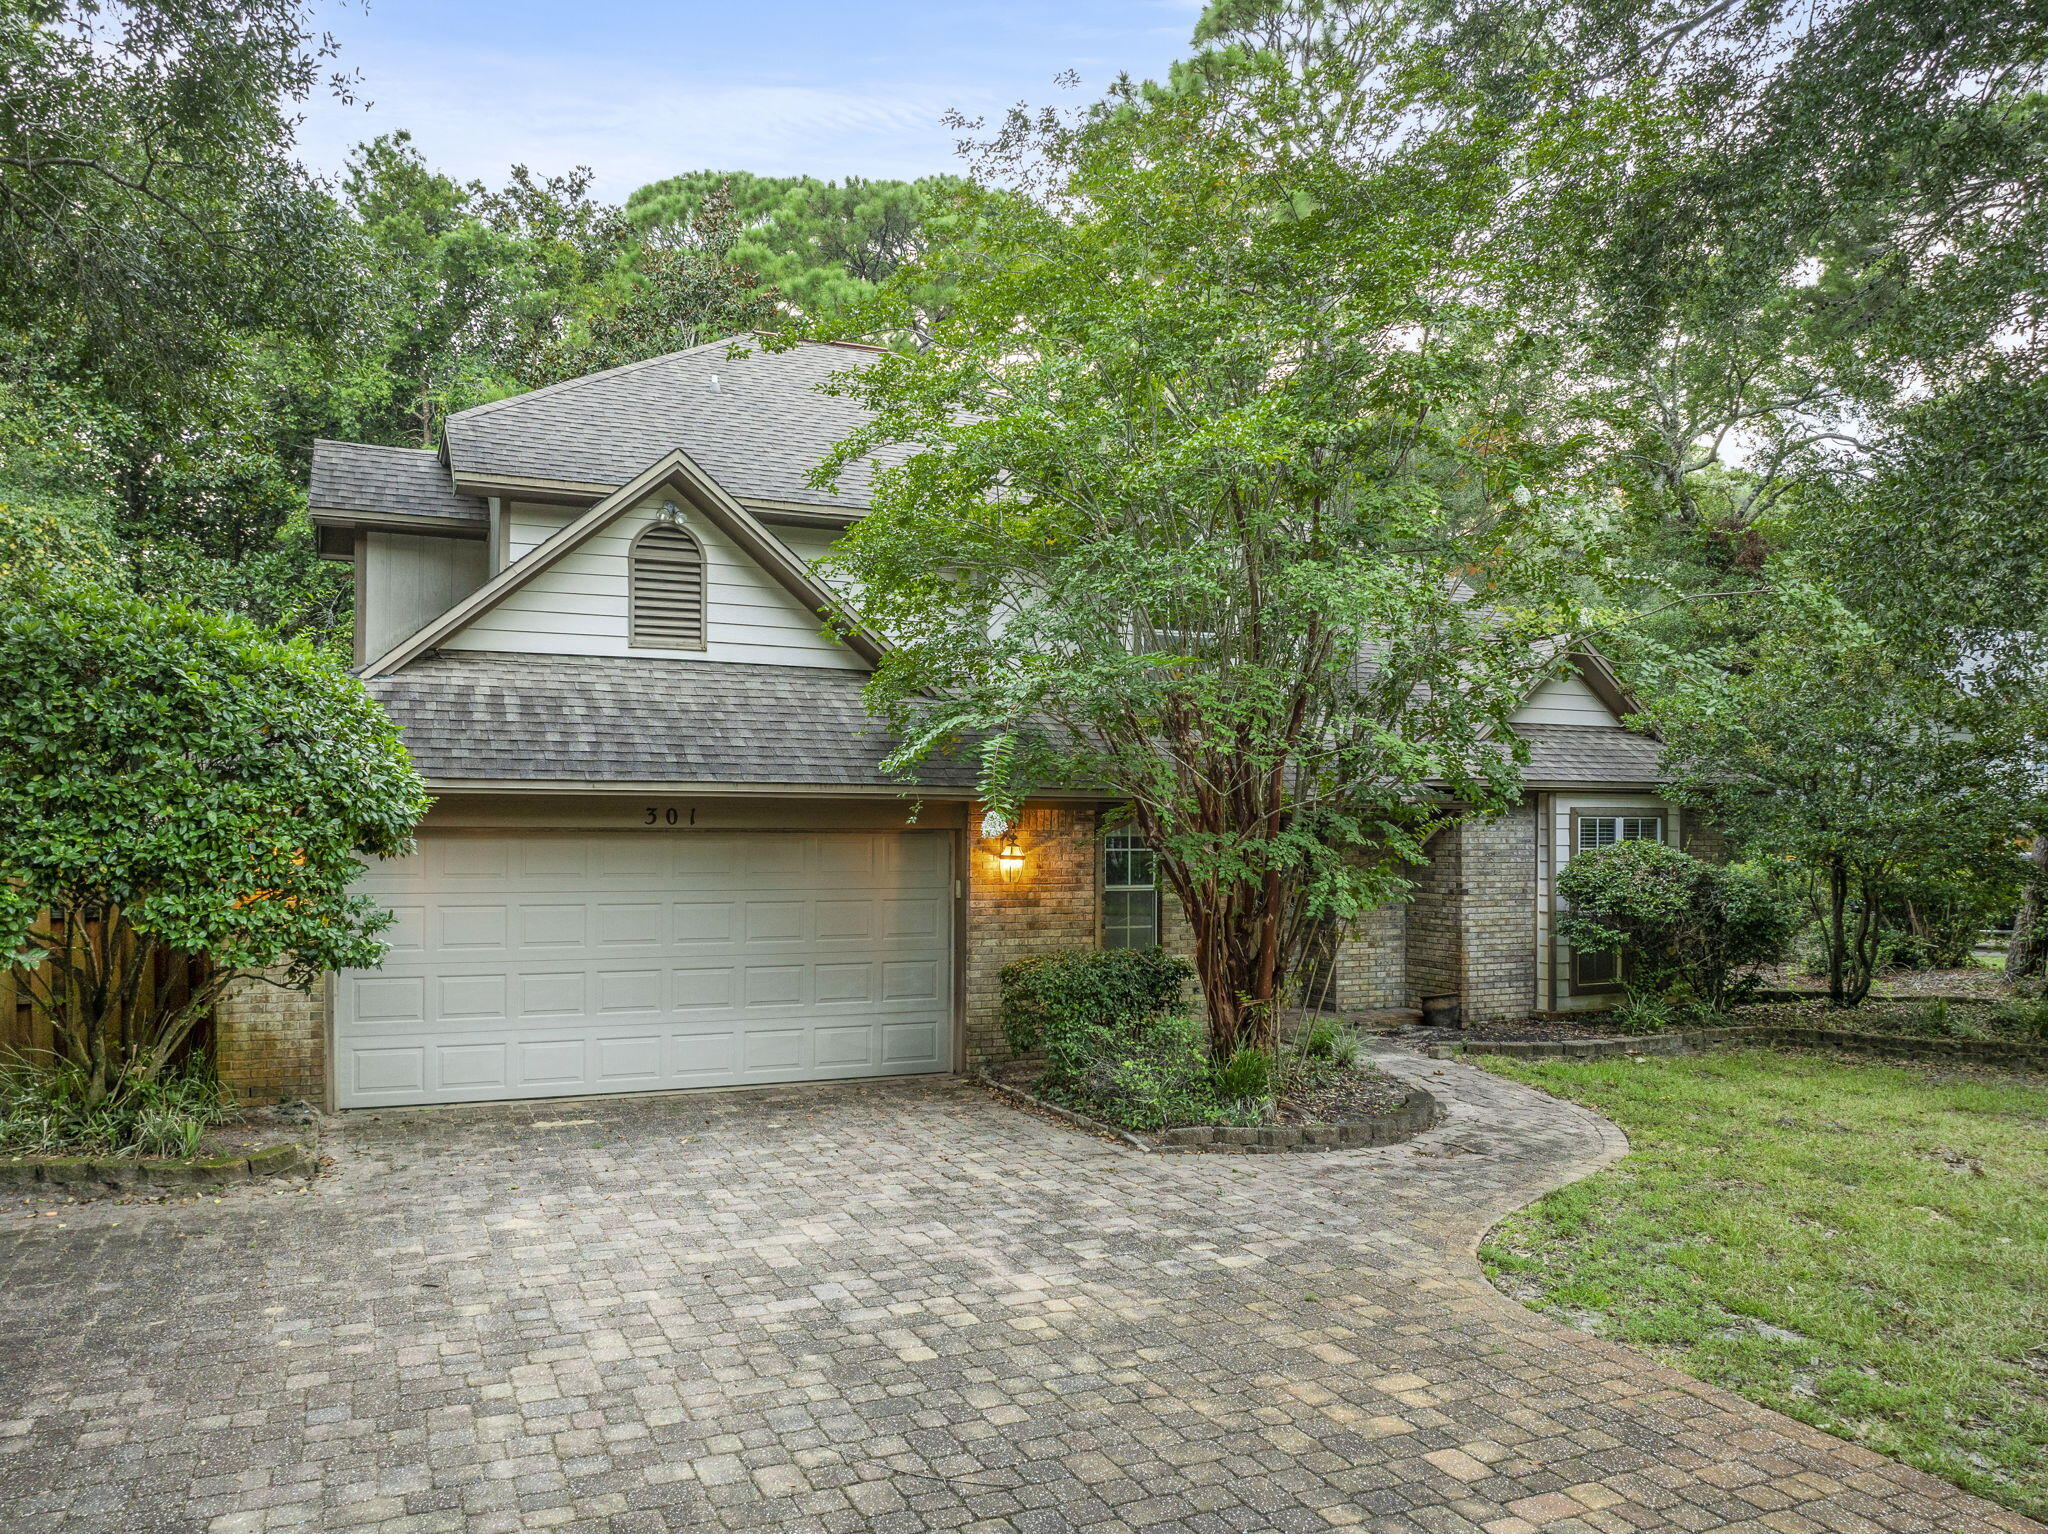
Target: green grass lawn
x,y
1864,1247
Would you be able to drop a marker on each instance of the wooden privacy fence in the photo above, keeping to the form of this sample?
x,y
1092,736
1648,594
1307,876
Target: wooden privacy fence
x,y
26,1032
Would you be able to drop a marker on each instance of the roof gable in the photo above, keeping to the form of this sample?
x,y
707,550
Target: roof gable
x,y
758,421
674,470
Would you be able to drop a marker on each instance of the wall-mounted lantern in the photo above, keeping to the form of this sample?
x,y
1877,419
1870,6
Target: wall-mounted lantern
x,y
1011,858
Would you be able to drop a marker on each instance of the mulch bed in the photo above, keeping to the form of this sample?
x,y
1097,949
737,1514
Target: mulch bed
x,y
1529,1030
256,1129
1363,1092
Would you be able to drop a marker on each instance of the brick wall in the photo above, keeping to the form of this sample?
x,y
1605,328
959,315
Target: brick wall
x,y
1498,917
271,1043
1372,962
1052,904
1435,949
1701,839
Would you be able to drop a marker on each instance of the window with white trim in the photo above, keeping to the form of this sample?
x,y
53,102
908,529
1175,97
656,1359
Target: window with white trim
x,y
665,595
1597,831
1130,892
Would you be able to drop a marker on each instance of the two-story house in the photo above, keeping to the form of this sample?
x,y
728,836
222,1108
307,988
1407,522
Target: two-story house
x,y
663,853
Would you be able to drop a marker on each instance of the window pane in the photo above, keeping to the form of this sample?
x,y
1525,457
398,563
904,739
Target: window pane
x,y
1597,831
1130,919
1648,828
1595,968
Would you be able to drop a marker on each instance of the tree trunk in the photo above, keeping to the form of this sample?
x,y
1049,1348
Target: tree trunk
x,y
1838,932
2027,954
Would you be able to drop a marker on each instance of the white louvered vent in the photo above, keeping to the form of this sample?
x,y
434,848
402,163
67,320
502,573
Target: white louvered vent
x,y
667,595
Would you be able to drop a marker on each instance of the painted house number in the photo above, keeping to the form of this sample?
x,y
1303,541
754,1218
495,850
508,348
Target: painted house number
x,y
671,816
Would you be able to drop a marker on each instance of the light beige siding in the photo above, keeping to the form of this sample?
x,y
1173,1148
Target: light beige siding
x,y
410,579
577,606
1565,700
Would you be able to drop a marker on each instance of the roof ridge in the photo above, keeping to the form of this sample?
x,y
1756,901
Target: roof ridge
x,y
375,447
584,378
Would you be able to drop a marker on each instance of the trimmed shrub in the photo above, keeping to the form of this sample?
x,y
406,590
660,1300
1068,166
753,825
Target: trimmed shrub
x,y
1691,933
1072,1009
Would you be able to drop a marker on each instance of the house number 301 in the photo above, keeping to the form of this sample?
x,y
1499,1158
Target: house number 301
x,y
670,817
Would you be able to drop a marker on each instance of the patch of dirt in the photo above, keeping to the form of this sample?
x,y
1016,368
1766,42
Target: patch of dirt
x,y
1976,982
256,1129
1364,1092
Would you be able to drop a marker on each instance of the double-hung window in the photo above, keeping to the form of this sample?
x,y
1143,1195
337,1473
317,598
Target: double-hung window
x,y
1130,892
1595,972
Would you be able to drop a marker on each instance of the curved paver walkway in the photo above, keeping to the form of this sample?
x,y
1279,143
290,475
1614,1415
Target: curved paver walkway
x,y
901,1307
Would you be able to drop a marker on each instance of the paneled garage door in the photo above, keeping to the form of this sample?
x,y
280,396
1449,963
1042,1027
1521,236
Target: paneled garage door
x,y
541,965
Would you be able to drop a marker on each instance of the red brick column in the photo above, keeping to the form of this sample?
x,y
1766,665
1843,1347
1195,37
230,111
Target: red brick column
x,y
1053,903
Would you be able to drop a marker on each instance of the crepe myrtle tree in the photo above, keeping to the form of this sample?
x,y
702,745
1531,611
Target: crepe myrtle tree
x,y
179,786
1213,490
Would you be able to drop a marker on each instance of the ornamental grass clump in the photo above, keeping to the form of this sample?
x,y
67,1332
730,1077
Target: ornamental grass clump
x,y
59,1109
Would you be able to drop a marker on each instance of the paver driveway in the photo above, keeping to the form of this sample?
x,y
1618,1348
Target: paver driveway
x,y
890,1308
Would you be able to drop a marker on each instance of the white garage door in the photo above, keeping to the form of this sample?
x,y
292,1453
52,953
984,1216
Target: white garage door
x,y
541,965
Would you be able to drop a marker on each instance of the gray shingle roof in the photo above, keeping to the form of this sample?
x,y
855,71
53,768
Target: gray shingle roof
x,y
582,718
1564,753
398,481
471,714
759,433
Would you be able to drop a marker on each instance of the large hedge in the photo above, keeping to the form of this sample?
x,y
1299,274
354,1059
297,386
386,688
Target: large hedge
x,y
177,785
1069,1009
1684,927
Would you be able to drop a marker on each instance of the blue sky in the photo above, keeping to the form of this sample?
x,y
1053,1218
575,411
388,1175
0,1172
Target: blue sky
x,y
638,90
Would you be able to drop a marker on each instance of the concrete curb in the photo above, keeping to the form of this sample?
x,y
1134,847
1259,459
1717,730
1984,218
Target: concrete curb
x,y
122,1174
1417,1112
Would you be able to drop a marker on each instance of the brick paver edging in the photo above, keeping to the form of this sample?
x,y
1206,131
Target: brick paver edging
x,y
120,1174
1416,1112
1685,1041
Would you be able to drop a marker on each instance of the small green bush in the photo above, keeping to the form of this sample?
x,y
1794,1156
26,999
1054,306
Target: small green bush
x,y
1160,1078
1659,1012
1689,930
1329,1041
49,1110
1245,1078
2026,1018
1072,1009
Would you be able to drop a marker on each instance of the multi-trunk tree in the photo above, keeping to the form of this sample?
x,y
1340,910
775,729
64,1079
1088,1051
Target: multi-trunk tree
x,y
1221,487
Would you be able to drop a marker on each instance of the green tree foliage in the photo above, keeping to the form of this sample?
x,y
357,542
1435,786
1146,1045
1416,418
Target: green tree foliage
x,y
678,291
822,245
150,210
1188,497
179,786
1688,931
1773,224
1852,772
173,286
470,287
